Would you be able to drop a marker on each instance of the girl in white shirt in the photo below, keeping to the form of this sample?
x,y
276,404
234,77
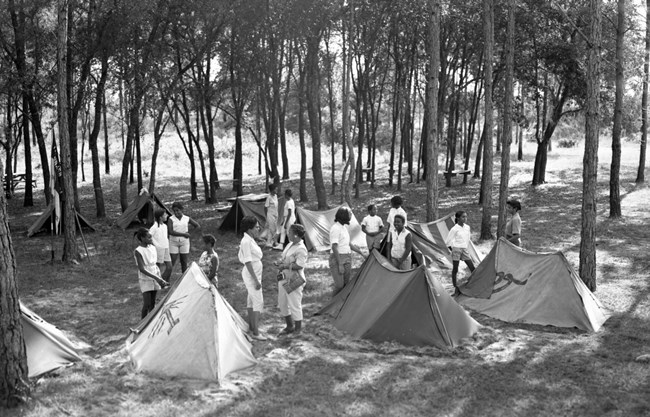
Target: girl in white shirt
x,y
458,241
179,240
161,242
288,218
250,255
341,250
400,245
148,272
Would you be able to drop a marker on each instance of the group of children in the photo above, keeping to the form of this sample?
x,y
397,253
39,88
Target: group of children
x,y
168,240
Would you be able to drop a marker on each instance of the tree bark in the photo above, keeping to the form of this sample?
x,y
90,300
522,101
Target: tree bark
x,y
432,111
507,119
486,179
312,87
70,249
614,173
92,139
587,268
29,197
14,382
640,174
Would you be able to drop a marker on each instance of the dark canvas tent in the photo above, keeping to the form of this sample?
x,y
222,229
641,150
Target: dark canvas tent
x,y
245,205
411,307
317,228
429,238
193,332
515,285
44,222
141,210
47,347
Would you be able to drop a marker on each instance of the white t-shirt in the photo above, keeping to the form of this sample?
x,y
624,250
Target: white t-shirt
x,y
391,216
289,205
398,241
372,223
271,204
458,236
159,235
339,235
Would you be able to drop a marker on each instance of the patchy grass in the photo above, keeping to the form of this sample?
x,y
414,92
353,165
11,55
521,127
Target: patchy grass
x,y
505,370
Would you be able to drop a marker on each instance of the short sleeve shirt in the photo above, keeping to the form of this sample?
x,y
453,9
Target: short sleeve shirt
x,y
159,235
249,250
513,227
339,235
289,204
372,223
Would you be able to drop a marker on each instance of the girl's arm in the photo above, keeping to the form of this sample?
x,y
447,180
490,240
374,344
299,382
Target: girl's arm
x,y
251,271
140,262
170,229
214,265
194,224
284,224
356,249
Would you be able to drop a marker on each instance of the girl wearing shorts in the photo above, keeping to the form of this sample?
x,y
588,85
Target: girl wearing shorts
x,y
161,242
458,242
148,272
179,236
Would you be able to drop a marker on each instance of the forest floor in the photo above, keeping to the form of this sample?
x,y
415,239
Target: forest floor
x,y
507,369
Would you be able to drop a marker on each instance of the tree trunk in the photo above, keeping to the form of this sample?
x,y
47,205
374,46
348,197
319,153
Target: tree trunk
x,y
590,161
107,161
14,381
432,111
347,179
312,87
486,180
301,129
614,173
92,139
507,120
640,174
70,250
29,198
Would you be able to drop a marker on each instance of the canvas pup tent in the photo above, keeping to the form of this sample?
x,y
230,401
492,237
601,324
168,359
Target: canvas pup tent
x,y
411,307
193,332
317,228
245,205
515,285
45,222
141,210
47,347
429,238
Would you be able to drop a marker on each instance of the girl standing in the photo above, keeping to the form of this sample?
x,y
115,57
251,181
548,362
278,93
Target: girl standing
x,y
458,242
400,245
293,261
179,241
250,255
148,272
161,242
288,219
209,260
341,250
513,227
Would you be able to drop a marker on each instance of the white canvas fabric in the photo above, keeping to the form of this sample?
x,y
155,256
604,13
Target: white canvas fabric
x,y
192,333
317,228
47,347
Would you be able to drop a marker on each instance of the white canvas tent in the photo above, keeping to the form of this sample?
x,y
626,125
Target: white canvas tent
x,y
318,224
47,347
192,333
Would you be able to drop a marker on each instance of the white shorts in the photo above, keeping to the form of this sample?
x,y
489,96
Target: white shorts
x,y
162,255
179,244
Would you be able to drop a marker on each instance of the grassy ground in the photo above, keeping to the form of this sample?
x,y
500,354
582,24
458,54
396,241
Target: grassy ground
x,y
505,370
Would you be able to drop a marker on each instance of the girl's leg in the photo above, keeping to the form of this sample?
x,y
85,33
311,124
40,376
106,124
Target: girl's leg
x,y
148,302
454,273
168,271
184,258
174,257
470,265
